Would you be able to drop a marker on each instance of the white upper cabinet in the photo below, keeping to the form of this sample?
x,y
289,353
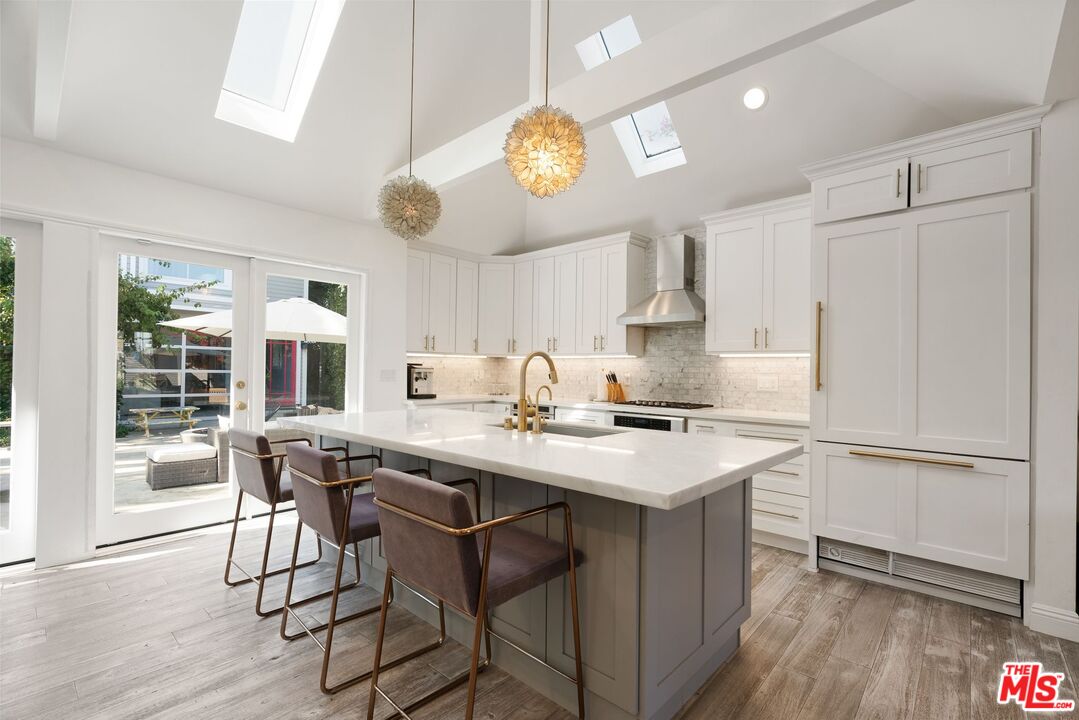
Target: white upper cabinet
x,y
977,168
925,329
543,304
442,304
623,286
522,308
565,304
757,279
468,304
417,292
866,191
589,300
496,309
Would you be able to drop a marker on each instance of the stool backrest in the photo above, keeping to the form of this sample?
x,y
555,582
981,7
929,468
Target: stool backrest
x,y
256,477
320,508
444,564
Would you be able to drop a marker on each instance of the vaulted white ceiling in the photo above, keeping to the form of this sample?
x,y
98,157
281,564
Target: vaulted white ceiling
x,y
142,81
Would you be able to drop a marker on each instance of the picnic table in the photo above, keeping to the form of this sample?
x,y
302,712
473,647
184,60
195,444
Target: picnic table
x,y
144,416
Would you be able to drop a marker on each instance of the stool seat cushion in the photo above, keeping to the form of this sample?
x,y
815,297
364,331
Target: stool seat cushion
x,y
182,452
522,560
363,522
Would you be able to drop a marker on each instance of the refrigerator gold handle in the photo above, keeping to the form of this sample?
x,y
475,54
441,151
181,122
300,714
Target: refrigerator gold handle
x,y
912,458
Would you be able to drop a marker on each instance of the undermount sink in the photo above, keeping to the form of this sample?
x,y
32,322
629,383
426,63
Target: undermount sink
x,y
581,431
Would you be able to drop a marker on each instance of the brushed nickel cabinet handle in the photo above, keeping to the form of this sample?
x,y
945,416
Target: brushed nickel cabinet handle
x,y
912,458
816,372
773,512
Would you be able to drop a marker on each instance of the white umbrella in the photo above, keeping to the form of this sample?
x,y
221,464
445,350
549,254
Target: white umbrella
x,y
290,319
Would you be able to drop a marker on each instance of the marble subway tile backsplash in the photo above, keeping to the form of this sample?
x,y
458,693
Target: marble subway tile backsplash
x,y
674,367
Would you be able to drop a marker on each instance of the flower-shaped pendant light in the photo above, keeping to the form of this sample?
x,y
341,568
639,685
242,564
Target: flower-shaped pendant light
x,y
407,206
545,147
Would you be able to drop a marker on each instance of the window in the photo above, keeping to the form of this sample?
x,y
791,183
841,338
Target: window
x,y
647,136
276,58
7,348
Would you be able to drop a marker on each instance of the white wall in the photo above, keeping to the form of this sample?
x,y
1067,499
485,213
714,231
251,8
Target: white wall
x,y
74,196
1051,594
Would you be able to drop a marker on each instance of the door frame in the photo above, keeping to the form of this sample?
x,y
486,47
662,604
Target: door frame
x,y
111,527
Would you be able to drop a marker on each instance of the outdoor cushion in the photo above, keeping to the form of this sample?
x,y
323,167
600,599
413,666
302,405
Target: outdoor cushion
x,y
182,452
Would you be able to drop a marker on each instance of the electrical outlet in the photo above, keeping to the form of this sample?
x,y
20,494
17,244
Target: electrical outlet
x,y
768,383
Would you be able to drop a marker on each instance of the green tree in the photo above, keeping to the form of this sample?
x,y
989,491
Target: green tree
x,y
326,361
7,330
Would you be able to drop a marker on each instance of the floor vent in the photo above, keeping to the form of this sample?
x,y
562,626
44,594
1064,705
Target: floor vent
x,y
973,582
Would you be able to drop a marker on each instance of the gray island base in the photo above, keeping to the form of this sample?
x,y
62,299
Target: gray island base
x,y
663,592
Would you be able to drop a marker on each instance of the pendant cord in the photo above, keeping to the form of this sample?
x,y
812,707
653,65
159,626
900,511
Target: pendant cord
x,y
547,58
412,88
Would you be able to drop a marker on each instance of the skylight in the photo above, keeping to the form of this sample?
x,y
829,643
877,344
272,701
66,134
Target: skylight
x,y
276,58
647,136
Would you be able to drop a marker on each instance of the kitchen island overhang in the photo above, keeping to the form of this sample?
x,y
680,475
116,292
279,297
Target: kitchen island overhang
x,y
663,520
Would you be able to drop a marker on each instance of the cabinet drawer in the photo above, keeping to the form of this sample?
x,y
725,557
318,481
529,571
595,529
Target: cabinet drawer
x,y
791,477
978,168
775,433
781,514
967,511
594,417
865,191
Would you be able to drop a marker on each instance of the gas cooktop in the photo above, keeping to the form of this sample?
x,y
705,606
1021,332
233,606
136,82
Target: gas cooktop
x,y
666,404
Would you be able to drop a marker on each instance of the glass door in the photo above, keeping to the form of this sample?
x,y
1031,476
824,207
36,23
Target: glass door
x,y
173,357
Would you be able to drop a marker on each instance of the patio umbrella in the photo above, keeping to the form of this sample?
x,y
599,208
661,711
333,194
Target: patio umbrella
x,y
290,319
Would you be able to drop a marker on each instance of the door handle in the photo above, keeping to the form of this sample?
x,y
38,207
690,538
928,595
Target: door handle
x,y
240,384
241,405
820,311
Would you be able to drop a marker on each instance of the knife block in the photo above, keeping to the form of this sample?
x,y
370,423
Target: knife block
x,y
616,393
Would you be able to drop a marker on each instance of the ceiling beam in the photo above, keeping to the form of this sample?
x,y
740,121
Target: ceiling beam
x,y
53,21
705,48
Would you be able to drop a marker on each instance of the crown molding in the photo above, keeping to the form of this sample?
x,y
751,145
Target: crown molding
x,y
1024,119
795,202
628,237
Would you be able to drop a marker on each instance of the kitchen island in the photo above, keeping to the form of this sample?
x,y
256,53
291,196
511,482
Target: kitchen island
x,y
663,520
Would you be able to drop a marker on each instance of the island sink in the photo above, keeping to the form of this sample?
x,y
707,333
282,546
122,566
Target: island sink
x,y
581,431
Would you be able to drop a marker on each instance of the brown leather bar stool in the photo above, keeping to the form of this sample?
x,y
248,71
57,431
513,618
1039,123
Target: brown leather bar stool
x,y
430,542
259,473
329,504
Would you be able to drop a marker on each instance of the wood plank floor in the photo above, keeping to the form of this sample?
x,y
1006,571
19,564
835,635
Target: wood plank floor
x,y
152,632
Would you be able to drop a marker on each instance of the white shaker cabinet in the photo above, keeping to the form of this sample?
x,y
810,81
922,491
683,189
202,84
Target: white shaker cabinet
x,y
522,308
589,300
757,278
865,191
622,283
925,329
555,303
468,305
968,511
543,303
495,309
430,302
977,168
417,294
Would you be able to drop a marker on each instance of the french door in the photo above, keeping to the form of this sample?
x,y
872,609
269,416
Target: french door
x,y
192,343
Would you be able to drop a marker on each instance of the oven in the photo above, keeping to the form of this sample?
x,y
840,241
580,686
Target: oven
x,y
663,423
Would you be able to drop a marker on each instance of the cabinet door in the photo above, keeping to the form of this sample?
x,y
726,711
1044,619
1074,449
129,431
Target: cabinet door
x,y
522,308
780,513
543,304
859,270
613,294
417,294
442,303
926,329
590,323
565,304
735,286
787,313
967,511
978,168
468,303
866,191
496,308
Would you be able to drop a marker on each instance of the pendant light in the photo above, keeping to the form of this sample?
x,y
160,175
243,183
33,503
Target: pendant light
x,y
409,207
545,147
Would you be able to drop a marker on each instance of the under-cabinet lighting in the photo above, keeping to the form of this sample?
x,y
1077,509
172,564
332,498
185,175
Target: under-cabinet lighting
x,y
442,355
762,355
579,357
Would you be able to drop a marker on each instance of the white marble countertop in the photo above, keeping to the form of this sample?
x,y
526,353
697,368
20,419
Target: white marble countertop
x,y
713,413
660,470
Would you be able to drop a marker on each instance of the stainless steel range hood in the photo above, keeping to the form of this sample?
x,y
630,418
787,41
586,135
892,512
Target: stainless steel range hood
x,y
674,302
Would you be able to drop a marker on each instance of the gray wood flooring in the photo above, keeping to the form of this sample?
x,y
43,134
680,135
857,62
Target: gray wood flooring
x,y
153,632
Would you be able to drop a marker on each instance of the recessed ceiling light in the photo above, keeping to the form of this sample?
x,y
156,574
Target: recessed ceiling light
x,y
755,98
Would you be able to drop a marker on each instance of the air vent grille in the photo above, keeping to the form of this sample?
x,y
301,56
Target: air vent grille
x,y
853,554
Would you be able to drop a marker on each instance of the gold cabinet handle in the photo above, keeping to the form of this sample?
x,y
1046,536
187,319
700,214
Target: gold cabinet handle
x,y
755,331
548,344
602,342
433,344
773,512
509,346
912,458
783,472
475,345
555,343
919,177
816,372
426,342
766,338
514,344
767,437
595,343
898,175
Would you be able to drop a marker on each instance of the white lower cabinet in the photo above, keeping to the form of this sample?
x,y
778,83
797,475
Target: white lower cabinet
x,y
780,513
569,414
967,511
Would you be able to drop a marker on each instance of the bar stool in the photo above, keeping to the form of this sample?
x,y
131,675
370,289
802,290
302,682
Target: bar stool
x,y
429,539
329,504
259,473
